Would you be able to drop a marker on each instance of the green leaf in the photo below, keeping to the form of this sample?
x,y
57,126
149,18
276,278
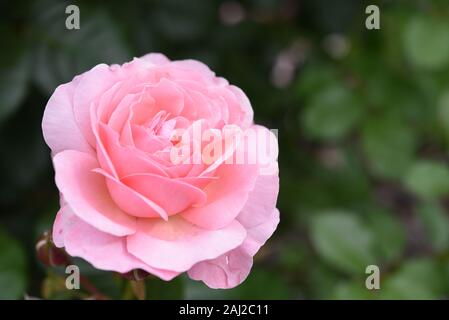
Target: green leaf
x,y
14,73
192,18
62,54
443,110
428,179
436,223
108,283
417,279
343,241
293,256
254,287
315,77
163,290
332,113
12,268
355,290
13,81
425,41
389,235
388,145
321,279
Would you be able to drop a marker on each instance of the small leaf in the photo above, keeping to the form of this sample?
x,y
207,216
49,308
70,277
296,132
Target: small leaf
x,y
332,113
425,42
315,77
389,235
12,268
355,290
417,279
388,146
343,241
428,179
14,73
443,111
13,81
62,54
436,223
157,289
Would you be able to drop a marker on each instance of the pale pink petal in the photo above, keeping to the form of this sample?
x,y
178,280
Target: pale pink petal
x,y
224,272
172,195
87,194
60,129
194,65
260,219
266,149
232,268
58,226
246,111
102,250
226,196
121,112
155,58
178,245
131,201
167,96
261,201
259,234
93,84
126,160
148,141
199,182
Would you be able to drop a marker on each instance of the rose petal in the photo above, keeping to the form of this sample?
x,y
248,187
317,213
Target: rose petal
x,y
86,193
226,196
232,268
92,85
102,250
178,245
155,58
125,160
172,195
131,201
224,272
61,132
261,201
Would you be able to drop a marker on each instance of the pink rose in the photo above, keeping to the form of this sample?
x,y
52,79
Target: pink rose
x,y
140,190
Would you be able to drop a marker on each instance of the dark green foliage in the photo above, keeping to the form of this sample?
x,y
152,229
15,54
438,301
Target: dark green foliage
x,y
363,119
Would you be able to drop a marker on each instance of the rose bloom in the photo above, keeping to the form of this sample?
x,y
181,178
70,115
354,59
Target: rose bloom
x,y
128,203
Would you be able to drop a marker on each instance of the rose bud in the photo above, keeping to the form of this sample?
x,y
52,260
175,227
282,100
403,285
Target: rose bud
x,y
135,275
48,254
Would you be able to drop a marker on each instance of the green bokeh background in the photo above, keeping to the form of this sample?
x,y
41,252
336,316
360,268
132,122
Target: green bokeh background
x,y
363,119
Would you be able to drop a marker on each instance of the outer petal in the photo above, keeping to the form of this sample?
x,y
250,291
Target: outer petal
x,y
261,201
155,58
178,245
260,218
232,268
258,235
59,226
86,193
102,250
226,271
232,194
92,85
60,129
247,113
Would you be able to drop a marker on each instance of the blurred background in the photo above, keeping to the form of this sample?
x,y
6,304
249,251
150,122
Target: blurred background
x,y
363,119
